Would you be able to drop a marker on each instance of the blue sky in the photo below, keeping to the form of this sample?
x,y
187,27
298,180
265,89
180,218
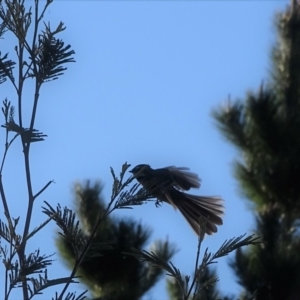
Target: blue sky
x,y
147,76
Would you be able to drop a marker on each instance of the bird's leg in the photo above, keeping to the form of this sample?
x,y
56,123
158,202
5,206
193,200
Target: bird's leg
x,y
158,203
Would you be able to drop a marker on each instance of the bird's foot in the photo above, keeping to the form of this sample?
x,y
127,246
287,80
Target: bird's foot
x,y
158,203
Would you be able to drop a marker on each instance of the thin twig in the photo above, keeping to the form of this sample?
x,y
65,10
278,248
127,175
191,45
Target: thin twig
x,y
7,145
42,190
196,269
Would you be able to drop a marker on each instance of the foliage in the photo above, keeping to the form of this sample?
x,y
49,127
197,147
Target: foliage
x,y
265,129
106,269
197,286
41,57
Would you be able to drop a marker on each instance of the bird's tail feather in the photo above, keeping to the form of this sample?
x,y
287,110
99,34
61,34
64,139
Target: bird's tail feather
x,y
210,208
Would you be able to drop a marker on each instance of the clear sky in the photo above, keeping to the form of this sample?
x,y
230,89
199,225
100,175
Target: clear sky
x,y
147,76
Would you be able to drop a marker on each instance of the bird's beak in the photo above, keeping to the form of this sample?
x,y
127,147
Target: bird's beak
x,y
130,171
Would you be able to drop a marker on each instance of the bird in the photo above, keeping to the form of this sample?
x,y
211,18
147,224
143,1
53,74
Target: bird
x,y
169,185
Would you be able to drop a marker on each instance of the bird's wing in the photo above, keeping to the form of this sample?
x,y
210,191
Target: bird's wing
x,y
184,179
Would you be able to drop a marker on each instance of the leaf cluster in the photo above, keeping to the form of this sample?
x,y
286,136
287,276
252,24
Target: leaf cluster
x,y
191,287
39,56
107,268
265,128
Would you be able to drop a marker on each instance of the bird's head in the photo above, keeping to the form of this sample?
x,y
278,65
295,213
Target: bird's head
x,y
139,169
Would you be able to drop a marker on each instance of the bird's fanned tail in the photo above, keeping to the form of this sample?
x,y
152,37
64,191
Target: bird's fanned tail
x,y
210,208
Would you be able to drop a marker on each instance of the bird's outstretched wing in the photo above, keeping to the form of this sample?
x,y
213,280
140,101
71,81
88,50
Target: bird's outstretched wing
x,y
183,179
